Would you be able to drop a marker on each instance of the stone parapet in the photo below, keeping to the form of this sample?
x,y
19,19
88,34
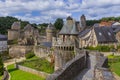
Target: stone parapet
x,y
70,70
33,71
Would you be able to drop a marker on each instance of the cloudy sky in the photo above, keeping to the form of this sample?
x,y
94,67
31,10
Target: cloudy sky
x,y
39,11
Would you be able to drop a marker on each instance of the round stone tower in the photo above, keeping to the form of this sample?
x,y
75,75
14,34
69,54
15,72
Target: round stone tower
x,y
14,32
83,21
50,32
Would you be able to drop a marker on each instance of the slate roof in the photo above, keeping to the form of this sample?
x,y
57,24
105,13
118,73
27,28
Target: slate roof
x,y
105,34
83,32
116,23
96,25
46,44
69,18
70,29
3,37
116,28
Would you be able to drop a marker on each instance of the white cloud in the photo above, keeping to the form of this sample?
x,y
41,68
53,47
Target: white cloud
x,y
49,10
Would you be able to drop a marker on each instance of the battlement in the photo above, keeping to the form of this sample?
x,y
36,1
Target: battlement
x,y
60,42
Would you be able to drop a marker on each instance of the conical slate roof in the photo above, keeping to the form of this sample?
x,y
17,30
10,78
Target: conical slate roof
x,y
69,29
69,18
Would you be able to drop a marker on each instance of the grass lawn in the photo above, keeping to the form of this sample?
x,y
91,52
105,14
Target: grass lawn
x,y
115,67
114,64
21,75
113,56
0,77
39,64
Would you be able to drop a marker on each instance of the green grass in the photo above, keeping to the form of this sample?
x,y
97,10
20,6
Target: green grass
x,y
21,75
114,63
33,58
111,56
115,67
0,77
39,64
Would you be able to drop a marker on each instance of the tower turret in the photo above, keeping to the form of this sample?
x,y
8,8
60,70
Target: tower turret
x,y
83,21
50,32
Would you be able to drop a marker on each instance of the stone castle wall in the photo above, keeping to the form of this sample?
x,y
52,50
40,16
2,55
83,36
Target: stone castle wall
x,y
41,51
18,51
33,71
70,70
13,34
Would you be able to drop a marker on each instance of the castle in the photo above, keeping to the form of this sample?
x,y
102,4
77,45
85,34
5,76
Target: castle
x,y
64,48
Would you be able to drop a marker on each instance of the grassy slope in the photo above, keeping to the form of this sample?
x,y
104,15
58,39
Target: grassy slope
x,y
39,64
21,75
115,67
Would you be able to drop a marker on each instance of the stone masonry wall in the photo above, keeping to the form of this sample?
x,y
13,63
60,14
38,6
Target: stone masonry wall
x,y
13,34
33,71
18,51
70,70
41,51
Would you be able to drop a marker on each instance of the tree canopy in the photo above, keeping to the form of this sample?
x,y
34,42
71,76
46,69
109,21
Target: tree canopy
x,y
58,23
1,66
6,22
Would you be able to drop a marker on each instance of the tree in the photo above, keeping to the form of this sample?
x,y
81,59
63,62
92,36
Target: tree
x,y
58,23
1,66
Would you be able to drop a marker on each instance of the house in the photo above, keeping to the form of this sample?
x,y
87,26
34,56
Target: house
x,y
3,43
97,36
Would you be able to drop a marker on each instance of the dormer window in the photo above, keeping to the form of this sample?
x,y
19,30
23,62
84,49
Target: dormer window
x,y
100,33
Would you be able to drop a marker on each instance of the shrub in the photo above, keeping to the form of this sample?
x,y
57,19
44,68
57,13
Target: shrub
x,y
29,55
1,66
13,42
101,48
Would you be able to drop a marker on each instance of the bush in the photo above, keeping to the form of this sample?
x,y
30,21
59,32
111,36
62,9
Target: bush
x,y
29,55
1,66
101,48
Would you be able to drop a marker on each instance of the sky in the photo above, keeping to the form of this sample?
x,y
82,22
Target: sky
x,y
45,11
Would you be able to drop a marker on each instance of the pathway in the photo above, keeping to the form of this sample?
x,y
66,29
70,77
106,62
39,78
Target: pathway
x,y
88,74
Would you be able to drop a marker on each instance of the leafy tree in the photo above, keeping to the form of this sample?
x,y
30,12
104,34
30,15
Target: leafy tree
x,y
5,23
1,66
92,22
42,28
58,23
